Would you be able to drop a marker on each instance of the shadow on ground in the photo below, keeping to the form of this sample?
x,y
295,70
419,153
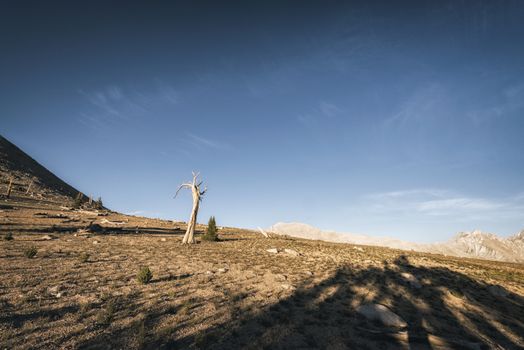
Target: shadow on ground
x,y
448,311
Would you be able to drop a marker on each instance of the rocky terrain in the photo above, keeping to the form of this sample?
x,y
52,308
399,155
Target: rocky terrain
x,y
475,244
70,280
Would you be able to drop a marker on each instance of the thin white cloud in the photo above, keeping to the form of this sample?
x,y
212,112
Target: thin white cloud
x,y
203,142
436,202
420,106
319,115
510,101
329,109
112,105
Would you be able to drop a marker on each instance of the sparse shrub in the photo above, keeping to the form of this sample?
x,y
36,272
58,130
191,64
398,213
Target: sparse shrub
x,y
99,204
84,257
211,233
83,309
77,203
8,236
145,275
105,316
31,252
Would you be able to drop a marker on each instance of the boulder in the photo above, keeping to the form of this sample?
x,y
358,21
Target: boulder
x,y
291,252
498,291
378,312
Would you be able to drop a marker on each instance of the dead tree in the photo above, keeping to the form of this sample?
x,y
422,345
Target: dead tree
x,y
9,188
195,186
30,185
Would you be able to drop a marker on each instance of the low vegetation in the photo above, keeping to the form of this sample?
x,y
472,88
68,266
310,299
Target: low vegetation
x,y
83,257
211,232
31,252
144,275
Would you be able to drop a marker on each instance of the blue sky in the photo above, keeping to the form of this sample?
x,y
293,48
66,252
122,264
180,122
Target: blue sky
x,y
402,119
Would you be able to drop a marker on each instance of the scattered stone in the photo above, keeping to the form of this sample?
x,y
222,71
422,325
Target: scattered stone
x,y
378,312
291,252
498,291
280,278
272,250
56,291
412,280
53,290
287,286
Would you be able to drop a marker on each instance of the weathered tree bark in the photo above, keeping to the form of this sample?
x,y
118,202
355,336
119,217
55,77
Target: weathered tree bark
x,y
29,187
189,237
9,188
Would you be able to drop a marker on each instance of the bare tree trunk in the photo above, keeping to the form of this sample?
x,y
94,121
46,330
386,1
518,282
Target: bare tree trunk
x,y
189,237
29,187
9,188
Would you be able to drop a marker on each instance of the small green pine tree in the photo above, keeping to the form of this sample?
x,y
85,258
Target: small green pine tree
x,y
211,233
144,275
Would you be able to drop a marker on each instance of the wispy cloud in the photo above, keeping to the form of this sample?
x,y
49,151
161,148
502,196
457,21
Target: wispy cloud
x,y
510,101
318,115
444,203
201,142
329,109
420,106
113,105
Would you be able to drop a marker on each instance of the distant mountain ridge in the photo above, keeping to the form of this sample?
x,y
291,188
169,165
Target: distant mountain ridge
x,y
474,244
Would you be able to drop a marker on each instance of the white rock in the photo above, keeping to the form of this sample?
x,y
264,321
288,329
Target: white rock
x,y
96,242
163,239
359,249
272,250
291,252
53,290
47,238
377,312
222,269
287,286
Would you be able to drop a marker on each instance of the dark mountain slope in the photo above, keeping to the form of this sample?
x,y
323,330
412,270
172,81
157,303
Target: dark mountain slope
x,y
16,164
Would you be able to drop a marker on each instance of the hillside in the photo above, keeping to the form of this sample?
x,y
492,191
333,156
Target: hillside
x,y
25,171
69,280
